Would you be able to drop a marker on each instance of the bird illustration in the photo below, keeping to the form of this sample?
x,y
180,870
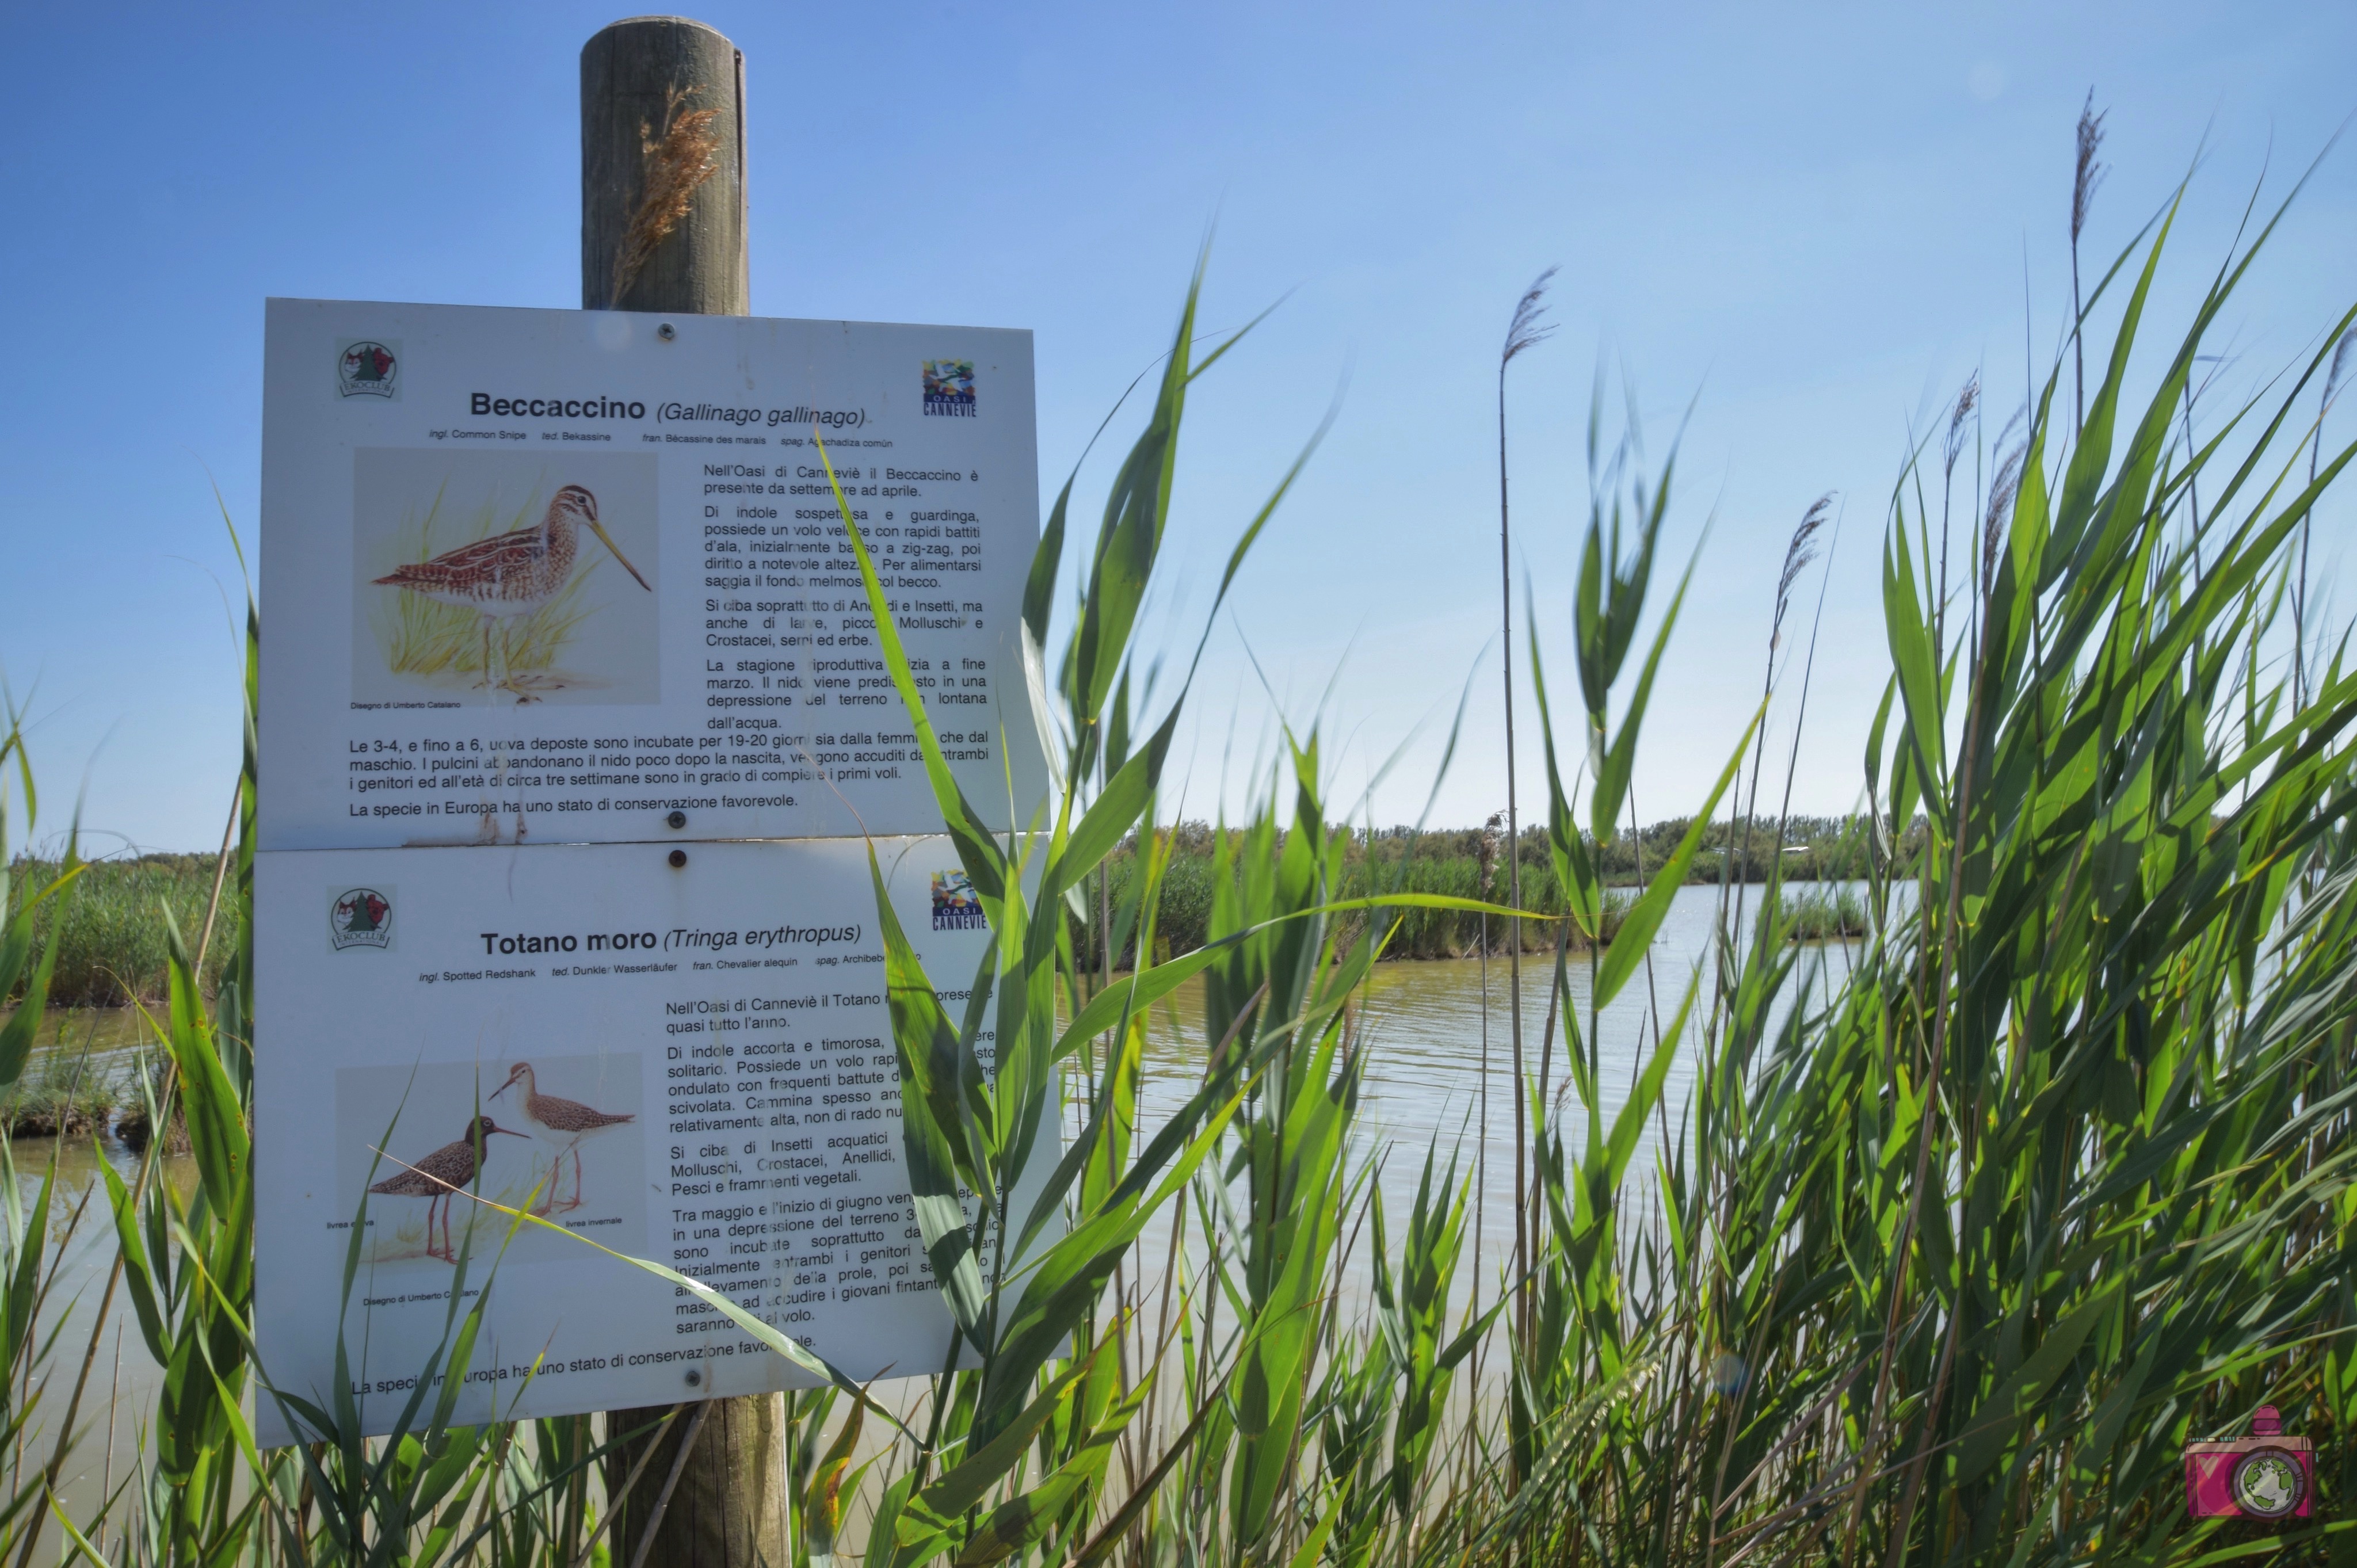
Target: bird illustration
x,y
436,1176
512,575
562,1122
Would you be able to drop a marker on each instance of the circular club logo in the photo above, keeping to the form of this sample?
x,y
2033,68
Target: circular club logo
x,y
2268,1483
366,367
360,917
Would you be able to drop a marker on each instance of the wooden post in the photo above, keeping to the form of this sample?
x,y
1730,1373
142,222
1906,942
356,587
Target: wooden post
x,y
662,228
662,170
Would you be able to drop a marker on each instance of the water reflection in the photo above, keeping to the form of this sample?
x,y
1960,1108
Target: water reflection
x,y
1431,1027
96,1046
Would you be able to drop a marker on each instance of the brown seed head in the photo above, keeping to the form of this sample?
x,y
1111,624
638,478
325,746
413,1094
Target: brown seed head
x,y
2089,173
673,164
1525,331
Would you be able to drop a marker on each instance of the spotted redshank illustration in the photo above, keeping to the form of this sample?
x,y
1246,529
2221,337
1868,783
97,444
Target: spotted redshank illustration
x,y
436,1176
564,1124
512,575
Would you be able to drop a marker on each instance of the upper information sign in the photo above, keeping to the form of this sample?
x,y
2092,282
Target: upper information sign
x,y
578,576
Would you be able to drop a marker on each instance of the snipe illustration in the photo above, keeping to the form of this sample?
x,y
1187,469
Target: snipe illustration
x,y
436,1176
512,575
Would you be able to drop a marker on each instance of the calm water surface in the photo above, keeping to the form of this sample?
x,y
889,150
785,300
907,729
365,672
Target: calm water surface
x,y
1429,1028
106,1044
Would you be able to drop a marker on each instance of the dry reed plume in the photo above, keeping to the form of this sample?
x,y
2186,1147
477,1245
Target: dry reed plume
x,y
674,165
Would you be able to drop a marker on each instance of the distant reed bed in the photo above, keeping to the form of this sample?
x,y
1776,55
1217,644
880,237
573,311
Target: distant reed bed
x,y
1469,864
112,948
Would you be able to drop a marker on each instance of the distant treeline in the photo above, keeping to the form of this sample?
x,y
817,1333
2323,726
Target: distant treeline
x,y
1813,849
1470,862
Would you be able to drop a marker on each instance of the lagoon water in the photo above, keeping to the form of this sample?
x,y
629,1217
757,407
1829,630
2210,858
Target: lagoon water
x,y
1423,1028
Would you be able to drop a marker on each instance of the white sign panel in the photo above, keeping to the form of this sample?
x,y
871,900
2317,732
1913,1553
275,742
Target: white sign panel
x,y
691,1064
577,577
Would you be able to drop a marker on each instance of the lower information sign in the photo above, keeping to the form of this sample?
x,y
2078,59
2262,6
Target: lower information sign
x,y
686,1062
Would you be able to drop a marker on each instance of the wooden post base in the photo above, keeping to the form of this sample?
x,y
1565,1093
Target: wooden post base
x,y
728,1509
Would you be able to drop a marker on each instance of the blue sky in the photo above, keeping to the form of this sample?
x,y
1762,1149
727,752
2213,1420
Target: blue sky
x,y
1807,226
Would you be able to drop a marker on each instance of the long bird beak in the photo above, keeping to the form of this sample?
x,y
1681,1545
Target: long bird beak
x,y
599,529
505,1087
503,1132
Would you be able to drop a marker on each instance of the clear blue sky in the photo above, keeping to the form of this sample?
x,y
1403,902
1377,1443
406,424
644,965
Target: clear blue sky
x,y
1810,223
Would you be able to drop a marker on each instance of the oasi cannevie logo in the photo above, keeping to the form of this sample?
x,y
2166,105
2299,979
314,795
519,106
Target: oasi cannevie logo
x,y
366,367
949,387
360,917
956,906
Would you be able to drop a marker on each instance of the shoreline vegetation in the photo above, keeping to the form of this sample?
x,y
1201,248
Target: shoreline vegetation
x,y
1943,1264
113,951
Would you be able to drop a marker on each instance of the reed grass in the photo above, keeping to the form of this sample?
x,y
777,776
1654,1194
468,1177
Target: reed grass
x,y
1824,914
112,948
1190,866
64,1093
1940,1262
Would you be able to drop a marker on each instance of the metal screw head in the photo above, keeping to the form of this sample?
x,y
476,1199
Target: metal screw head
x,y
666,332
678,858
695,1378
677,820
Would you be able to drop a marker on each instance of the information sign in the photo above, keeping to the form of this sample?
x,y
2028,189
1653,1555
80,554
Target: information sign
x,y
578,576
691,1063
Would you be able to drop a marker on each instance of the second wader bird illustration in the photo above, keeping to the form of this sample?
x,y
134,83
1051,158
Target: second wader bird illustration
x,y
436,1176
512,575
564,1123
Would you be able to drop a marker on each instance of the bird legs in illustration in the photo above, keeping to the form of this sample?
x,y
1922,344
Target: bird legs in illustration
x,y
549,1203
557,1175
506,683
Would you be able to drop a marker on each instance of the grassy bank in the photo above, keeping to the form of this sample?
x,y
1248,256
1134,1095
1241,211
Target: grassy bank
x,y
1942,1266
1470,863
1825,913
63,1093
1438,864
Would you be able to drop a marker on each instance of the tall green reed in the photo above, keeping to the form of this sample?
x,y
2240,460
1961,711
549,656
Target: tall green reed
x,y
1946,1266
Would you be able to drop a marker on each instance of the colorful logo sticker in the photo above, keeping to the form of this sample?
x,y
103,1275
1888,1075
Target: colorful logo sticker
x,y
949,387
366,367
2269,1474
361,918
956,906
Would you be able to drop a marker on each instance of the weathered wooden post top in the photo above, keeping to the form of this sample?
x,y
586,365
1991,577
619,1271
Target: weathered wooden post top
x,y
663,169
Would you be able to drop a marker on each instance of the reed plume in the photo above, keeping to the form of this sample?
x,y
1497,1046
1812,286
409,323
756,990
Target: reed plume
x,y
673,164
1798,552
1967,400
2002,490
1524,330
2089,175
